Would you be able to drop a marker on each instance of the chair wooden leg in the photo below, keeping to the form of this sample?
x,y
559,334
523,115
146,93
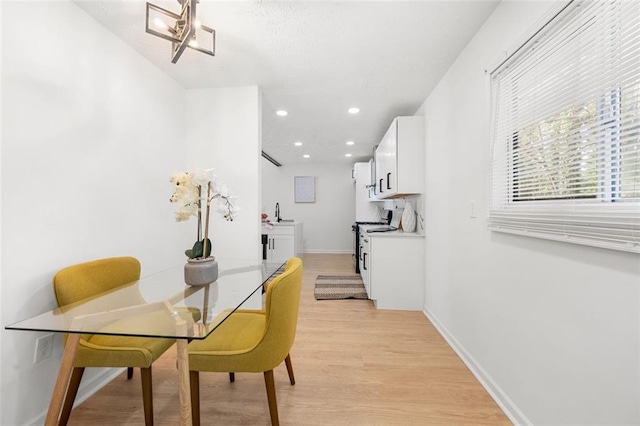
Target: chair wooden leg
x,y
271,397
70,397
194,379
287,361
232,377
147,395
129,373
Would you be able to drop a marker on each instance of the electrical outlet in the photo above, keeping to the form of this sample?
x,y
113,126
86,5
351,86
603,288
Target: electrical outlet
x,y
44,348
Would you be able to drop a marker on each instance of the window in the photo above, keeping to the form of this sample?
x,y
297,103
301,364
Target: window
x,y
566,129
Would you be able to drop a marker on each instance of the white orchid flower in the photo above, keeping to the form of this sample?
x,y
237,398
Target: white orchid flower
x,y
222,190
190,194
202,177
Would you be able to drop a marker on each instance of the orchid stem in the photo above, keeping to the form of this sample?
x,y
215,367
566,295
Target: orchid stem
x,y
199,214
206,223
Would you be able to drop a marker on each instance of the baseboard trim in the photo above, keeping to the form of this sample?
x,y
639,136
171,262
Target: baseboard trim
x,y
98,382
505,403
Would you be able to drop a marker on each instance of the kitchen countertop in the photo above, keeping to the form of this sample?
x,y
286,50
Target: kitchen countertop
x,y
271,225
390,234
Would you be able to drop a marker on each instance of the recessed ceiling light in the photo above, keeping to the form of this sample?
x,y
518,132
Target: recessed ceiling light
x,y
297,143
347,155
306,156
282,113
350,142
354,110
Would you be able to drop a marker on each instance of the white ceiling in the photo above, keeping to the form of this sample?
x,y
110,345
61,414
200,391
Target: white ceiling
x,y
314,59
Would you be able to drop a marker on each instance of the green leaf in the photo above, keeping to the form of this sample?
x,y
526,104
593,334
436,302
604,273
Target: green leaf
x,y
196,251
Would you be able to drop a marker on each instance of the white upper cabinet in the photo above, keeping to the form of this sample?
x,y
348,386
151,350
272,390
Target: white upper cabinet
x,y
400,158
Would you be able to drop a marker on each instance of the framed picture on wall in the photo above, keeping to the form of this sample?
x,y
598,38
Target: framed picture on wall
x,y
305,189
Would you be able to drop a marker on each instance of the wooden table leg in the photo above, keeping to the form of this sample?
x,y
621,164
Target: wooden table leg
x,y
184,389
62,382
205,304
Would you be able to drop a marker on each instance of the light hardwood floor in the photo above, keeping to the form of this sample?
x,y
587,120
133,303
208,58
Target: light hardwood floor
x,y
354,365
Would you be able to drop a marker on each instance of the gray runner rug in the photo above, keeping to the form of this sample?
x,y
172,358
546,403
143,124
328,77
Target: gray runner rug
x,y
332,287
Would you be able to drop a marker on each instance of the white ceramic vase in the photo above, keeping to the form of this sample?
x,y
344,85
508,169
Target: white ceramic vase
x,y
408,218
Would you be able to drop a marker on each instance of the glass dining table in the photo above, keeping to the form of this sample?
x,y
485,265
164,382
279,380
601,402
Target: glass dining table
x,y
159,305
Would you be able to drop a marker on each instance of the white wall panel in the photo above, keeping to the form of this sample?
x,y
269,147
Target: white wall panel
x,y
91,132
551,328
223,132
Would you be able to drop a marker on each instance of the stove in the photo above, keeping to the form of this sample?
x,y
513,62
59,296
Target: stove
x,y
355,229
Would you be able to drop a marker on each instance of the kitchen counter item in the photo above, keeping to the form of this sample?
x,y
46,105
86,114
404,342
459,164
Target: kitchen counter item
x,y
387,228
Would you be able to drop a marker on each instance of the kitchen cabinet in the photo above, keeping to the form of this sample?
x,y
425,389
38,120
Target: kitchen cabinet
x,y
284,241
392,269
399,159
364,261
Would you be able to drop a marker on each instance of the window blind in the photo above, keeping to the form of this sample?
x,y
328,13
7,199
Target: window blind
x,y
565,149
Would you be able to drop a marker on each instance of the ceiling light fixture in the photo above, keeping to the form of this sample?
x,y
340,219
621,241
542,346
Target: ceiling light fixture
x,y
282,113
306,156
182,30
347,155
354,110
297,143
350,142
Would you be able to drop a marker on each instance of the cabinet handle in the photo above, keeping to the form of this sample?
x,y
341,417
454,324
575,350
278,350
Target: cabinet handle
x,y
389,180
360,252
381,191
364,263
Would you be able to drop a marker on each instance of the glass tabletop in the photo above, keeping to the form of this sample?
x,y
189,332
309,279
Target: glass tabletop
x,y
161,305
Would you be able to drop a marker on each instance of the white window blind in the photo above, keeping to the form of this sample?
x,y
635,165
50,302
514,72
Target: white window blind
x,y
566,130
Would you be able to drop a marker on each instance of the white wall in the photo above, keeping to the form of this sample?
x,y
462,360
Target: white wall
x,y
1,332
89,142
327,222
91,132
224,133
551,328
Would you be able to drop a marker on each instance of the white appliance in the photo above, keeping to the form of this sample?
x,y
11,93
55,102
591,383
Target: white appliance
x,y
366,210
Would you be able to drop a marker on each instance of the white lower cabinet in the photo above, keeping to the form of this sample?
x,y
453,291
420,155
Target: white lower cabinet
x,y
284,241
392,270
365,261
280,247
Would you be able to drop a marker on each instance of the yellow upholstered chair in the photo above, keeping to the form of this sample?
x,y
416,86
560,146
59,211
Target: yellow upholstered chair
x,y
86,280
254,341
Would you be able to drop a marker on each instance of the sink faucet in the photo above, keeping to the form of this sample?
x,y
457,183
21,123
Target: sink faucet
x,y
278,211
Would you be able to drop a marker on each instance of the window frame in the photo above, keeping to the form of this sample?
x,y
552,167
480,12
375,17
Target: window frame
x,y
604,218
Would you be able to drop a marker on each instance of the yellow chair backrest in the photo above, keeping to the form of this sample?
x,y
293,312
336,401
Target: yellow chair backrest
x,y
281,308
88,279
